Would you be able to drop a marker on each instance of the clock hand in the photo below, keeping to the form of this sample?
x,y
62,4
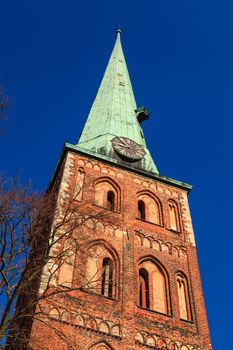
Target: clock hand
x,y
124,142
123,145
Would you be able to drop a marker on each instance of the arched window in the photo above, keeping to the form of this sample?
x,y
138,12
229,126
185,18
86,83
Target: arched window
x,y
183,297
153,287
107,194
111,200
149,208
144,300
106,285
173,216
141,210
101,271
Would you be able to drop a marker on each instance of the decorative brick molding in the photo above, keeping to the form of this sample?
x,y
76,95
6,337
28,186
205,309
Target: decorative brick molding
x,y
141,238
155,341
98,166
155,186
86,321
104,228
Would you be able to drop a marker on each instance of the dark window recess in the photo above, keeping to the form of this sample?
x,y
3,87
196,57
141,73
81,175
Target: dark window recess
x,y
144,299
141,210
110,200
106,287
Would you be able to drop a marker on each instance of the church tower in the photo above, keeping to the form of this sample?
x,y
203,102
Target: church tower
x,y
127,276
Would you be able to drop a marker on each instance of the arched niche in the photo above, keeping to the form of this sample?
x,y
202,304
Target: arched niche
x,y
79,184
174,215
183,296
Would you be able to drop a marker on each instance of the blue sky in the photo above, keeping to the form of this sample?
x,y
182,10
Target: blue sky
x,y
179,55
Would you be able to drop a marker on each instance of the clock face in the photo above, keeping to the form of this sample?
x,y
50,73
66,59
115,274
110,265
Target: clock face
x,y
128,148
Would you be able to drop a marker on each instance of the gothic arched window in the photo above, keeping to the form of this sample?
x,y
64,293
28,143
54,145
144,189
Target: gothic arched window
x,y
107,194
144,300
106,285
101,274
153,287
183,297
141,210
149,208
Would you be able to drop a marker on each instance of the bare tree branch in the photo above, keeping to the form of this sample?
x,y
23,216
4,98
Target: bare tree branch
x,y
33,232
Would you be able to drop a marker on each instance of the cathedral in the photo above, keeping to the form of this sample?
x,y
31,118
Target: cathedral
x,y
127,276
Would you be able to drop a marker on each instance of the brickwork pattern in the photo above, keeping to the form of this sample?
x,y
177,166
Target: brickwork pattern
x,y
96,322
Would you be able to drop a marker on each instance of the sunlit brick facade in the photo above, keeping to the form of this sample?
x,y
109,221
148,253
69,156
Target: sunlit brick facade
x,y
173,317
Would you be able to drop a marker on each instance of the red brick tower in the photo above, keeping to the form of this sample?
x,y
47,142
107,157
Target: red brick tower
x,y
129,277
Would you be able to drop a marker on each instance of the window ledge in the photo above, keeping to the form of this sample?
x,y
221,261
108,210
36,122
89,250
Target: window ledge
x,y
153,311
92,292
109,210
149,222
175,231
187,321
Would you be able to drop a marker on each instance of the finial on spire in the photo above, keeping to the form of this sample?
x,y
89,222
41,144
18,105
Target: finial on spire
x,y
118,31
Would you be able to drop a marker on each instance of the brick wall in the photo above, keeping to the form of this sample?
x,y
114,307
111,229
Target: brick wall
x,y
83,319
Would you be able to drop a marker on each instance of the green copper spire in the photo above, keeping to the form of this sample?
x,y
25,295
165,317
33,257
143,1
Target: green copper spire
x,y
114,113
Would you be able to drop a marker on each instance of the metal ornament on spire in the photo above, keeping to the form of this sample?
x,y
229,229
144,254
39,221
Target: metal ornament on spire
x,y
114,113
118,31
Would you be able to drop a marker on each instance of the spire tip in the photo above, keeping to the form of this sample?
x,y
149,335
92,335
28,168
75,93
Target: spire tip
x,y
118,31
